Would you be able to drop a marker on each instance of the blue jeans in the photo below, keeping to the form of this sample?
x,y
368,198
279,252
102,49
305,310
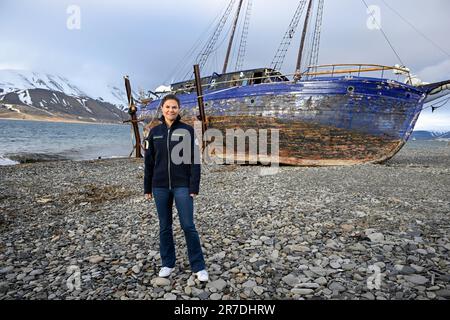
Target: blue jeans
x,y
185,206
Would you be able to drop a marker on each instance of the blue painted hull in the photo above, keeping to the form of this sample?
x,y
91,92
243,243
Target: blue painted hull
x,y
324,121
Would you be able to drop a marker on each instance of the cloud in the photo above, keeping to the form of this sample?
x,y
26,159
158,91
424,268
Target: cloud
x,y
436,73
13,66
12,57
147,39
437,121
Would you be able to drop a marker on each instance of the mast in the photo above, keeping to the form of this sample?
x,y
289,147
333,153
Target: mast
x,y
302,43
232,37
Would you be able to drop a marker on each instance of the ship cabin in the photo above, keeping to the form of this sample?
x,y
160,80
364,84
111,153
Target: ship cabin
x,y
232,79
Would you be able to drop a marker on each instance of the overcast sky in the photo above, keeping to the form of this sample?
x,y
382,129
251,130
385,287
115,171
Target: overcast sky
x,y
150,40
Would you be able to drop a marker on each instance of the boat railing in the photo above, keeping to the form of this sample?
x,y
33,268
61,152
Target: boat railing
x,y
312,71
190,87
353,69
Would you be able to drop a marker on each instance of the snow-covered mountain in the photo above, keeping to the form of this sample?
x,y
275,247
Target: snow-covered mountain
x,y
430,135
12,80
116,96
42,93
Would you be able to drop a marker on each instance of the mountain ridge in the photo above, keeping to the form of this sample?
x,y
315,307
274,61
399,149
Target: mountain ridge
x,y
430,135
34,95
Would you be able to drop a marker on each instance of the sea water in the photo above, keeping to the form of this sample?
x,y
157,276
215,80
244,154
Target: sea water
x,y
76,141
72,141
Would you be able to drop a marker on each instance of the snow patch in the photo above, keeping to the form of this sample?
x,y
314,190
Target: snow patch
x,y
83,103
7,162
11,108
88,110
24,97
163,88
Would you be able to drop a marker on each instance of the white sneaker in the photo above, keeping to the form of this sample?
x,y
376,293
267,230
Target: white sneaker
x,y
165,272
202,275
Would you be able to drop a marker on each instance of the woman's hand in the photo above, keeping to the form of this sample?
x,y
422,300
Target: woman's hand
x,y
193,195
148,196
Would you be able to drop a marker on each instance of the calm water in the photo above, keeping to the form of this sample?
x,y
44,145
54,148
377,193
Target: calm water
x,y
66,140
85,141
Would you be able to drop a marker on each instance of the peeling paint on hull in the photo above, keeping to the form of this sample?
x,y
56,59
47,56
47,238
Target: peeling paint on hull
x,y
303,143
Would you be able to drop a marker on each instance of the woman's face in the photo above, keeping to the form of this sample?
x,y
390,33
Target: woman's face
x,y
170,110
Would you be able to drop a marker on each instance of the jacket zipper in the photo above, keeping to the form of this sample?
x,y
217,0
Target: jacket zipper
x,y
168,155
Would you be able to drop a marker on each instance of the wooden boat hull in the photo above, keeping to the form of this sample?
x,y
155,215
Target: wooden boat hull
x,y
323,122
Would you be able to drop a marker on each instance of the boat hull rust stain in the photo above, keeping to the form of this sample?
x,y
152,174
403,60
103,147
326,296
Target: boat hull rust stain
x,y
308,144
304,144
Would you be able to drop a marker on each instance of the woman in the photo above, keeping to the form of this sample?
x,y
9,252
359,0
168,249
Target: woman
x,y
172,174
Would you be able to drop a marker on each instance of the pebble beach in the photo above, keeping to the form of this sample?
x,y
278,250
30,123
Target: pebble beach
x,y
82,230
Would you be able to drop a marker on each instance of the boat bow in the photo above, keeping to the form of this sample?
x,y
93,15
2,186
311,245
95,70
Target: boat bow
x,y
436,90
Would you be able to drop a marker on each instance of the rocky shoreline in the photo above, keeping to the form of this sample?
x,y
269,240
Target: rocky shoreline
x,y
82,230
61,119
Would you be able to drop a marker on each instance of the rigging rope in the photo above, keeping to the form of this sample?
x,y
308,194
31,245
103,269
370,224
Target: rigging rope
x,y
280,55
183,67
244,36
384,34
314,54
434,107
190,74
205,53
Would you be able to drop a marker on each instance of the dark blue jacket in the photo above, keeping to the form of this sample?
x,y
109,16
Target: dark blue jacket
x,y
167,169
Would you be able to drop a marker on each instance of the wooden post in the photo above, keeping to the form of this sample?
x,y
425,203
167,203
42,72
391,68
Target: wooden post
x,y
134,121
201,105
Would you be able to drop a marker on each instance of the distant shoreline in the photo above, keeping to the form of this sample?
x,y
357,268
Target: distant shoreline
x,y
58,120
